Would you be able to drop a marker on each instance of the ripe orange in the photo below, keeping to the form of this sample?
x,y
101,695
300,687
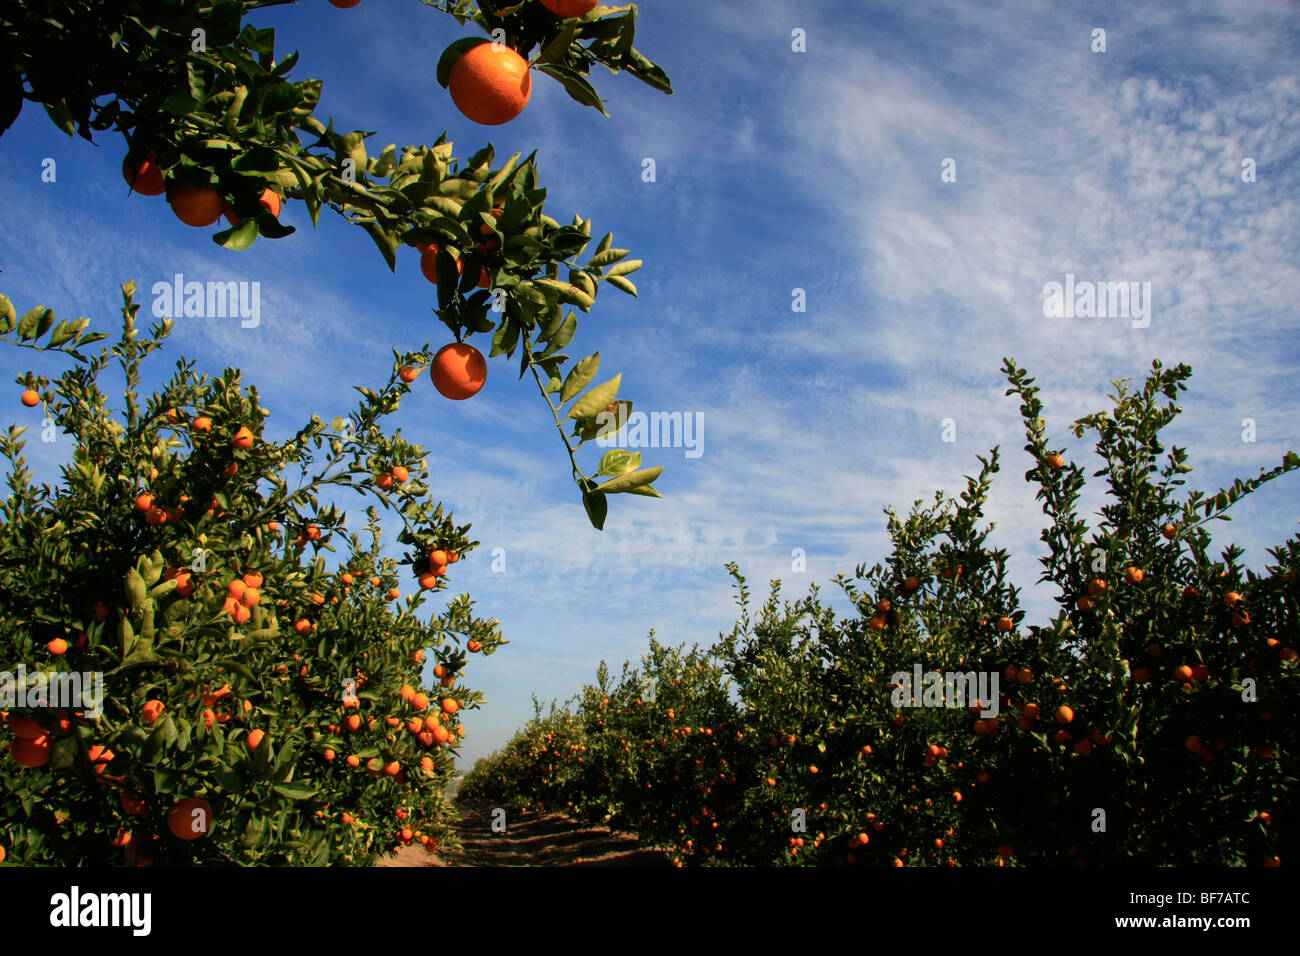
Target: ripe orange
x,y
31,398
255,738
196,205
269,200
1170,531
1134,575
57,647
408,374
1064,714
1140,675
570,8
329,753
146,179
1056,461
450,706
133,804
474,646
353,761
428,580
384,480
152,710
458,371
400,474
302,625
1193,743
31,753
912,583
420,701
190,818
100,757
394,594
144,502
1086,603
1183,673
1005,624
28,728
1096,587
202,424
1024,675
1232,599
243,438
490,84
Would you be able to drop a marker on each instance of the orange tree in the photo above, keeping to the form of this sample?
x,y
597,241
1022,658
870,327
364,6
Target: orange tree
x,y
1150,721
179,554
182,559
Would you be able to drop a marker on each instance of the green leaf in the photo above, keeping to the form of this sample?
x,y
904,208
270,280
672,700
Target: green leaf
x,y
557,49
618,282
575,84
62,116
618,461
607,257
635,479
624,268
31,321
597,506
579,377
294,791
238,237
596,399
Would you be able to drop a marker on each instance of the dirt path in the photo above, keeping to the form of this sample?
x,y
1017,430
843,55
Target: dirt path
x,y
530,840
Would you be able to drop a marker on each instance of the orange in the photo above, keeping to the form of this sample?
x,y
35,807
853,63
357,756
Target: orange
x,y
450,706
912,583
420,701
428,580
1232,598
144,502
400,474
1056,461
353,721
570,8
474,646
1086,603
353,760
1193,743
190,818
133,804
101,757
1170,531
1096,587
329,754
1134,575
1024,675
490,84
31,753
269,200
243,438
203,424
302,625
147,178
458,371
1064,714
28,728
1183,673
255,738
408,374
428,263
152,710
394,594
384,481
1005,624
196,205
57,647
31,398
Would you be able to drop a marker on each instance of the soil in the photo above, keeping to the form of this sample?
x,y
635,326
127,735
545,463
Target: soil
x,y
531,839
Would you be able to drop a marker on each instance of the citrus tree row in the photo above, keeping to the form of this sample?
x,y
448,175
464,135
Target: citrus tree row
x,y
1150,721
241,698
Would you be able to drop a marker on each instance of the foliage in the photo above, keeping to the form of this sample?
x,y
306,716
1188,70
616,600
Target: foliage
x,y
791,739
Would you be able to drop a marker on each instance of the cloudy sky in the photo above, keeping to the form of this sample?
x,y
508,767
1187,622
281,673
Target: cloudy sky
x,y
776,170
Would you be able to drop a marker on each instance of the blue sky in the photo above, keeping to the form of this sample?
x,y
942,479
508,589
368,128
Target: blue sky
x,y
776,171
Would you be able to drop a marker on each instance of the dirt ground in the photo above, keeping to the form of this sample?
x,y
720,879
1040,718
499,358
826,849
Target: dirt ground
x,y
549,839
